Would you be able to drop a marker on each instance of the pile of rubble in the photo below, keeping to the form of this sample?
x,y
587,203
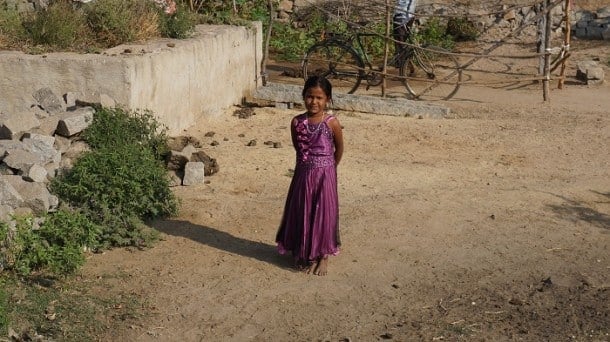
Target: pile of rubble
x,y
43,141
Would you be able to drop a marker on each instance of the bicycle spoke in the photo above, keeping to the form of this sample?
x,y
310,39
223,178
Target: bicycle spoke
x,y
341,65
431,73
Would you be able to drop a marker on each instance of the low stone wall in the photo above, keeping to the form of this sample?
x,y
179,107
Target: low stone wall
x,y
180,81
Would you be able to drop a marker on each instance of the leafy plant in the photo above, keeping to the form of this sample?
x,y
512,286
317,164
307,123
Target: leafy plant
x,y
4,320
178,25
122,180
462,29
56,246
114,127
113,21
433,32
60,26
11,27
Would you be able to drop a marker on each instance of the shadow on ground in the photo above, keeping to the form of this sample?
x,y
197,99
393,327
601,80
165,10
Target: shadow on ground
x,y
222,241
577,211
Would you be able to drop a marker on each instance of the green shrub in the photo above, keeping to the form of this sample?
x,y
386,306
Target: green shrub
x,y
433,32
122,180
56,246
11,27
178,25
60,26
113,127
4,320
112,21
289,43
462,29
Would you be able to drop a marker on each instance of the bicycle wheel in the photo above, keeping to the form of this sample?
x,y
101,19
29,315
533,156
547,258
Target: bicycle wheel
x,y
339,63
431,73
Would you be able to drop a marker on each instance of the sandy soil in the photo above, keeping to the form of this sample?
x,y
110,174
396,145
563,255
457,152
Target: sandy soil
x,y
493,225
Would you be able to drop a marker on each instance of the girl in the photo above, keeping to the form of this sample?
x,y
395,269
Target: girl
x,y
310,223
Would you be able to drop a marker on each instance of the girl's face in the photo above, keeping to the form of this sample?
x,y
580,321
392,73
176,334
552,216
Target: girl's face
x,y
315,100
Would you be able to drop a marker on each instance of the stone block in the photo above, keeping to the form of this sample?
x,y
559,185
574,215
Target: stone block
x,y
35,173
8,194
194,173
6,213
70,99
13,125
75,122
20,159
43,147
590,72
50,102
48,125
35,196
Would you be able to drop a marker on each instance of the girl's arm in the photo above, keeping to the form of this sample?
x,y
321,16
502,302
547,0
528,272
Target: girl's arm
x,y
338,137
293,132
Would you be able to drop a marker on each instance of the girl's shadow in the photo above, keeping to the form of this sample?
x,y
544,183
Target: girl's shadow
x,y
222,241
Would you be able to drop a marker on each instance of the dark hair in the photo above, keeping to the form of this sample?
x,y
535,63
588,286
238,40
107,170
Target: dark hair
x,y
319,81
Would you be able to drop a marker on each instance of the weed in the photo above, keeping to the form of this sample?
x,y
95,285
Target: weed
x,y
178,25
56,245
112,127
122,180
433,32
4,321
60,26
66,310
11,27
113,21
462,29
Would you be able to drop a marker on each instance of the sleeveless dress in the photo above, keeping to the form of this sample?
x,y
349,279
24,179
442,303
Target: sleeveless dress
x,y
309,228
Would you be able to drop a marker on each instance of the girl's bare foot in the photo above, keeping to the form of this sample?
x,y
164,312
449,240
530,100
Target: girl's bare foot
x,y
304,266
322,267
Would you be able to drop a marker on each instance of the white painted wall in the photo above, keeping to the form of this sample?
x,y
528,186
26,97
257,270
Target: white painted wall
x,y
181,81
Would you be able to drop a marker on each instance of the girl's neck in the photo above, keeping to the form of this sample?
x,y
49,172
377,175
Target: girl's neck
x,y
317,115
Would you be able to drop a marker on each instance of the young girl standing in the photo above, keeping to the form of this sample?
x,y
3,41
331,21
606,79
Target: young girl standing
x,y
310,224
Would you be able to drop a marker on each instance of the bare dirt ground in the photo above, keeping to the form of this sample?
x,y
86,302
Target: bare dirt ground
x,y
492,225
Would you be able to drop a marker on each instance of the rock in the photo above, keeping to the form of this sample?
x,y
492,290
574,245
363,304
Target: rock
x,y
194,173
590,72
75,122
35,173
14,125
8,194
50,102
211,166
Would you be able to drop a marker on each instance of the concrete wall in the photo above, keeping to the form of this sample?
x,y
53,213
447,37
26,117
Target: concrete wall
x,y
181,81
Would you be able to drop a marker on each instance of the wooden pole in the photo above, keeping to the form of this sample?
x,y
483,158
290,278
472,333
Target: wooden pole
x,y
547,51
566,42
540,44
388,23
266,47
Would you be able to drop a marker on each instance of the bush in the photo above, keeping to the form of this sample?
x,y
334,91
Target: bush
x,y
112,127
118,21
67,26
12,31
178,25
60,26
122,180
56,246
462,29
433,32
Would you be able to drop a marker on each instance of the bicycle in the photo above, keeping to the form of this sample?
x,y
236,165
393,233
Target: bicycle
x,y
428,72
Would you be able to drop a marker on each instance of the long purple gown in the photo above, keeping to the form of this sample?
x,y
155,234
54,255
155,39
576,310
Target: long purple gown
x,y
310,224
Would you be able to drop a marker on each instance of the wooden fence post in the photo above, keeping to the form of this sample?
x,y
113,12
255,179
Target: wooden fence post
x,y
547,51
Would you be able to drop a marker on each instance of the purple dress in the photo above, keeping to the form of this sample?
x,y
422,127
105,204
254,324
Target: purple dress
x,y
310,224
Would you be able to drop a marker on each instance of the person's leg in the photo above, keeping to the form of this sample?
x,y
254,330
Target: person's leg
x,y
322,266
